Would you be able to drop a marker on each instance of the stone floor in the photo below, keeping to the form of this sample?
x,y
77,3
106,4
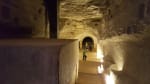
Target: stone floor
x,y
88,73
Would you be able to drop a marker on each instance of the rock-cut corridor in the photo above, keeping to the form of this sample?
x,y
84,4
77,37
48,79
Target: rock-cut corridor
x,y
126,56
88,72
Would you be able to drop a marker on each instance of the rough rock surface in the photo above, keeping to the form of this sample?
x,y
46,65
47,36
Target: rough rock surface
x,y
79,9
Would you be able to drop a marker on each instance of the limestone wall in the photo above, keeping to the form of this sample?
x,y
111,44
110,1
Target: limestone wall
x,y
68,63
125,16
25,16
38,61
131,58
72,29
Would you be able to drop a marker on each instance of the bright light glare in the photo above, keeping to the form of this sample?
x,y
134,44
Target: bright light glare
x,y
100,69
110,79
100,54
101,60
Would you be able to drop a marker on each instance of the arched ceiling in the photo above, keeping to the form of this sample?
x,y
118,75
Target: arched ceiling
x,y
89,12
93,13
82,9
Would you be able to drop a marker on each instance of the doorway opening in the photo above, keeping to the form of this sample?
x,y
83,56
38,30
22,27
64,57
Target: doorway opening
x,y
88,43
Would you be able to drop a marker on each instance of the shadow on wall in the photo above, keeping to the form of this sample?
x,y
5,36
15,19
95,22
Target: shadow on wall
x,y
8,31
124,78
137,60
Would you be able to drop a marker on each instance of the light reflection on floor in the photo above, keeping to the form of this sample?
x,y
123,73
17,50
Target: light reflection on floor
x,y
91,70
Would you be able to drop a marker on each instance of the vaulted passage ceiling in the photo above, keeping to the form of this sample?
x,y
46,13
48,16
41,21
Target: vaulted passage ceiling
x,y
107,18
82,9
81,17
